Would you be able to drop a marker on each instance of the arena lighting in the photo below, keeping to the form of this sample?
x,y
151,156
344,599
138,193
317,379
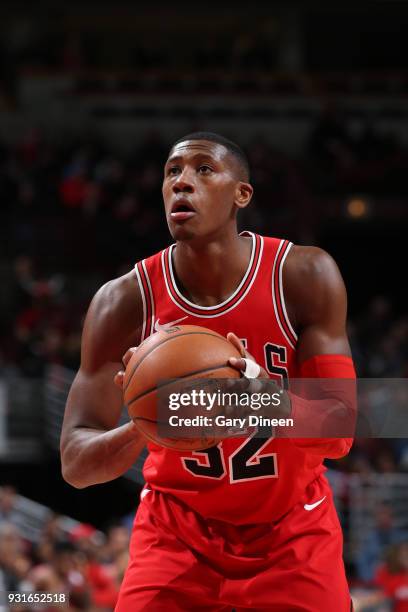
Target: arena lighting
x,y
357,208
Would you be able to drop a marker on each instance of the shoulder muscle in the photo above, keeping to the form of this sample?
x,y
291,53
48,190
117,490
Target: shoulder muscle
x,y
317,302
113,322
314,288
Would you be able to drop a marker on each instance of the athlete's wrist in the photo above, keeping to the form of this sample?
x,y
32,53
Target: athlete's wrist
x,y
281,404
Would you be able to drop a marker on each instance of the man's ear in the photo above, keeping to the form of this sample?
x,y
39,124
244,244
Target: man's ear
x,y
243,194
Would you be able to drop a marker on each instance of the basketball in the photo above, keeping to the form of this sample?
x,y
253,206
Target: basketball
x,y
184,352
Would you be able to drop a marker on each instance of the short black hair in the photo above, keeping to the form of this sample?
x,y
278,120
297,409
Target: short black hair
x,y
231,147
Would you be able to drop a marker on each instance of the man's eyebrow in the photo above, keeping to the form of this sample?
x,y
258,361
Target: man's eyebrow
x,y
202,154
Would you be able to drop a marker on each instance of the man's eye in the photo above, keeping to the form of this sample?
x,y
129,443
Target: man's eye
x,y
204,169
173,170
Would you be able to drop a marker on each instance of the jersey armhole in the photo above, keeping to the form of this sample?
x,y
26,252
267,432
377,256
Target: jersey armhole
x,y
279,296
147,299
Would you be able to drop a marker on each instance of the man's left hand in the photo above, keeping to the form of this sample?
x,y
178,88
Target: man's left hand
x,y
262,383
240,364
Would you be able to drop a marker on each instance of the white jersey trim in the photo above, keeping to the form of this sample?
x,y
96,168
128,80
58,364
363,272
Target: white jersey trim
x,y
150,295
231,297
139,280
282,295
274,272
209,308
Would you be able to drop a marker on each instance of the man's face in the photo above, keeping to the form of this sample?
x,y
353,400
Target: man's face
x,y
201,188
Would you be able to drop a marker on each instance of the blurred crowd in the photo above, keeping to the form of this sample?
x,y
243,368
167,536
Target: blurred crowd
x,y
75,214
85,564
28,44
225,52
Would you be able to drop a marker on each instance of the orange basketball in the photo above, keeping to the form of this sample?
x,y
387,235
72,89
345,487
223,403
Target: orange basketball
x,y
184,352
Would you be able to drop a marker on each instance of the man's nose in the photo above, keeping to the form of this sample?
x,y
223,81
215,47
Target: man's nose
x,y
184,182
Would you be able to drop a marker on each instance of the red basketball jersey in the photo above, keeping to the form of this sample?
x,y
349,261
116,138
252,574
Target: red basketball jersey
x,y
251,480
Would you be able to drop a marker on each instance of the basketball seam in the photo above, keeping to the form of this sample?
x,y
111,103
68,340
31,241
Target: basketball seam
x,y
167,340
141,418
177,449
189,449
211,369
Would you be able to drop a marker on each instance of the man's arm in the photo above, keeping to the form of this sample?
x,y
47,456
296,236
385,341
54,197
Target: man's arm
x,y
93,448
317,304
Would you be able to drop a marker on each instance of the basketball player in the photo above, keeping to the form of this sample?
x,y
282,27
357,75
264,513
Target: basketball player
x,y
249,524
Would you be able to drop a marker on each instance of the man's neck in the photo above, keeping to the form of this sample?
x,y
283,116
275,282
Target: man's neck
x,y
208,274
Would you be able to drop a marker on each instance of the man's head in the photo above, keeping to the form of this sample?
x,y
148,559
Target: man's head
x,y
205,184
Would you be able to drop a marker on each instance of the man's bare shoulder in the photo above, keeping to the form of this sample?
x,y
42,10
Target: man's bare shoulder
x,y
118,294
114,318
310,261
312,279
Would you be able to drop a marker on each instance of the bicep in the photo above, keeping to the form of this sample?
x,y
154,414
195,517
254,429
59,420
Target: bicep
x,y
316,340
323,310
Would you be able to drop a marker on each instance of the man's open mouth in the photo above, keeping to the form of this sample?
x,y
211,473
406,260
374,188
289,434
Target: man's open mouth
x,y
182,210
182,205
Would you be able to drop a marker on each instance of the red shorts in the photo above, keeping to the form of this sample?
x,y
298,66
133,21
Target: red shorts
x,y
180,562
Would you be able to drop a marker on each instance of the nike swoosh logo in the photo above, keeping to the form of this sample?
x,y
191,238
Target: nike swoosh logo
x,y
313,506
144,493
164,326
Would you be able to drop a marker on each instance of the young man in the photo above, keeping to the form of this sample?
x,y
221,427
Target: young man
x,y
249,524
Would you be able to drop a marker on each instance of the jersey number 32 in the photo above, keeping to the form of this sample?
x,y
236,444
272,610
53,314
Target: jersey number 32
x,y
247,462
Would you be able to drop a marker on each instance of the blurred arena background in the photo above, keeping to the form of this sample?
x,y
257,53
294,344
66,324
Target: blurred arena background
x,y
91,97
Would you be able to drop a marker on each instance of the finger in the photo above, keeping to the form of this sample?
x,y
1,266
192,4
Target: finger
x,y
249,367
252,369
231,337
128,355
235,341
237,363
119,377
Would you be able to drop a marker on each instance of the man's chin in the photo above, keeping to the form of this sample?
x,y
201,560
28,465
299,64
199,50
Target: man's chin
x,y
180,232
